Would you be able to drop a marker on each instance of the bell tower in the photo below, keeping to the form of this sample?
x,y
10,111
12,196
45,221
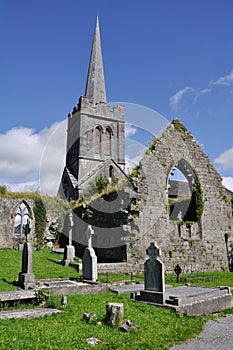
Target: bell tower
x,y
96,132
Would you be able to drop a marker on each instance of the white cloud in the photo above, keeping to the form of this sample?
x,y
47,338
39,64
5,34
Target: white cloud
x,y
176,99
228,182
21,151
224,80
225,160
129,130
24,186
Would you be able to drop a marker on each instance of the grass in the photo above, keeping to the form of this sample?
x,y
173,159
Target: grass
x,y
45,265
158,327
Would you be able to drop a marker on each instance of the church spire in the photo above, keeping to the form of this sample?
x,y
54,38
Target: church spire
x,y
95,87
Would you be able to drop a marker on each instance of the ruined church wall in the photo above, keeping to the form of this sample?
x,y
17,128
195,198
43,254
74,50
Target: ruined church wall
x,y
196,247
7,207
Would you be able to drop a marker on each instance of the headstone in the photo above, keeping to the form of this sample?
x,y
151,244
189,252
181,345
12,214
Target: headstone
x,y
69,252
154,270
114,314
26,277
89,261
154,277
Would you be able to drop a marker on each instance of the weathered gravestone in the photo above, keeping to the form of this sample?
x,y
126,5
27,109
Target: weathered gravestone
x,y
26,277
89,261
69,252
153,276
114,314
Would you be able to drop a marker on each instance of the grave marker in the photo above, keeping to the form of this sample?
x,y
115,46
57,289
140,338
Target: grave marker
x,y
89,260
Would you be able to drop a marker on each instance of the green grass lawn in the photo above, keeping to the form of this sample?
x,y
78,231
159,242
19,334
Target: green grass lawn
x,y
159,328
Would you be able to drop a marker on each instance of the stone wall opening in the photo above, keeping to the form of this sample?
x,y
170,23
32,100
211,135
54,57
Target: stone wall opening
x,y
22,214
183,200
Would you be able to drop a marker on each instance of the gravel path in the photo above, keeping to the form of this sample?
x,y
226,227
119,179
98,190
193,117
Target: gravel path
x,y
217,335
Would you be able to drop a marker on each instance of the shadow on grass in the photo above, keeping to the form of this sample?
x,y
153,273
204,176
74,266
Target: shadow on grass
x,y
55,261
11,283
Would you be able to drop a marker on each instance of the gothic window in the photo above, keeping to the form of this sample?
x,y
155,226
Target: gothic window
x,y
111,172
184,194
21,218
97,140
107,142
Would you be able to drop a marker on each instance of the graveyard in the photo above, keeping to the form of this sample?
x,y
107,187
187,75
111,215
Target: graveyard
x,y
66,327
116,260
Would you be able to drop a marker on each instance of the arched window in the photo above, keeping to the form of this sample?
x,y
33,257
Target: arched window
x,y
107,141
21,219
111,172
97,140
184,193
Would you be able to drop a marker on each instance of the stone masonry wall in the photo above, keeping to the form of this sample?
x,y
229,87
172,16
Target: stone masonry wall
x,y
195,247
7,208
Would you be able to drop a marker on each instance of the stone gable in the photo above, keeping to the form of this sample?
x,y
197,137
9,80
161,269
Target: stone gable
x,y
196,246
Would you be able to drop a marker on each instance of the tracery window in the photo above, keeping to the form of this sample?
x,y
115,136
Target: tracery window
x,y
21,218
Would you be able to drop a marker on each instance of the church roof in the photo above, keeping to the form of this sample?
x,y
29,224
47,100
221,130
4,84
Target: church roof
x,y
95,86
96,170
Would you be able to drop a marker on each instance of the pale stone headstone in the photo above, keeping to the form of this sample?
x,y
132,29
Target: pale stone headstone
x,y
154,270
89,261
69,252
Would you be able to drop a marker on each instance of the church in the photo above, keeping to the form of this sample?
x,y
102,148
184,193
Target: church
x,y
191,221
95,134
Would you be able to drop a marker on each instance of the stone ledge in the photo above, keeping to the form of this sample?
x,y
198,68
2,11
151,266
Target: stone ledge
x,y
28,313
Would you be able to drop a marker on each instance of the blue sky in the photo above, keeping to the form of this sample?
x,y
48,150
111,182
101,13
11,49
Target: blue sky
x,y
174,57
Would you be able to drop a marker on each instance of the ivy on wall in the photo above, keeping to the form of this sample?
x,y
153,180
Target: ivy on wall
x,y
40,221
198,200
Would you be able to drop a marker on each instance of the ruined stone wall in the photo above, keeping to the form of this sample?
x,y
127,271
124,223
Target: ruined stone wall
x,y
7,208
195,246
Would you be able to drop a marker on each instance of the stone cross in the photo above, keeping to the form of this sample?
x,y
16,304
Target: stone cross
x,y
90,232
154,270
27,229
178,271
153,252
89,259
71,224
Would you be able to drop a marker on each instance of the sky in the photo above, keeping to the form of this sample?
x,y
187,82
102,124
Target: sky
x,y
171,59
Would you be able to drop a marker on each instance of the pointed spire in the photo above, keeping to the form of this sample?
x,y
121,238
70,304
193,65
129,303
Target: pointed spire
x,y
95,87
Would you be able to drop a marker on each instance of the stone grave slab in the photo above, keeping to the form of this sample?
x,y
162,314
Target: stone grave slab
x,y
28,313
197,301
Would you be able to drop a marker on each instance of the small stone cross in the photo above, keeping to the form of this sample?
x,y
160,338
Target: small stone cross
x,y
90,232
178,271
71,224
153,251
27,229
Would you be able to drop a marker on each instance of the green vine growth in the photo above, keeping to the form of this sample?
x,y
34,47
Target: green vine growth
x,y
40,221
198,200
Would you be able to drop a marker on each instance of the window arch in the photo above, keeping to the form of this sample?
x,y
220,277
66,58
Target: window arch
x,y
22,215
111,172
184,193
98,140
107,141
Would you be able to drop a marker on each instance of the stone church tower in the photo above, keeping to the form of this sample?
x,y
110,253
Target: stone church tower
x,y
95,134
